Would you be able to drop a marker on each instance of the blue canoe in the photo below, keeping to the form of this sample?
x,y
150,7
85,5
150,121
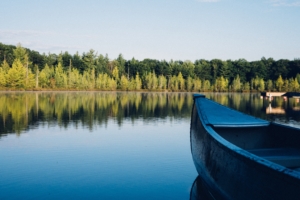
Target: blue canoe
x,y
243,157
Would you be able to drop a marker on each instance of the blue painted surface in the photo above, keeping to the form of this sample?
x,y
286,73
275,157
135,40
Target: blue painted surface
x,y
220,116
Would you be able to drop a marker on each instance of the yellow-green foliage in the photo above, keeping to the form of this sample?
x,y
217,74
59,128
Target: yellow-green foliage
x,y
162,82
2,77
138,82
60,77
124,83
236,85
221,84
151,81
16,75
181,81
189,84
279,83
20,76
74,79
115,73
197,84
30,80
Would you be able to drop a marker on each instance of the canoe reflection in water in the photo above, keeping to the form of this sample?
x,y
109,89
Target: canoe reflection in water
x,y
201,191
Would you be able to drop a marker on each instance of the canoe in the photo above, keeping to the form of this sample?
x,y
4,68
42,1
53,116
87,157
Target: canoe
x,y
243,157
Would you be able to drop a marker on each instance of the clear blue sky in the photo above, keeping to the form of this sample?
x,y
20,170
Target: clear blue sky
x,y
157,29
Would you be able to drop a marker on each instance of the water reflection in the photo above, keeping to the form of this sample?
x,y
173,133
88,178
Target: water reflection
x,y
281,105
275,110
201,191
21,111
283,110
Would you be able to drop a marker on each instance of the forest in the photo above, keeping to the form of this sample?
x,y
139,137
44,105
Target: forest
x,y
25,69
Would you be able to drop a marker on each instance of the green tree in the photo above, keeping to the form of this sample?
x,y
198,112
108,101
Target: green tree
x,y
162,82
16,75
294,85
92,79
298,77
203,70
2,77
197,84
37,73
5,66
89,59
115,73
223,70
60,77
46,77
138,82
124,83
181,81
174,84
242,68
236,85
74,79
221,84
102,64
206,85
21,54
269,85
188,69
112,84
255,83
121,64
102,81
246,86
87,80
279,83
151,81
189,84
261,86
286,86
3,73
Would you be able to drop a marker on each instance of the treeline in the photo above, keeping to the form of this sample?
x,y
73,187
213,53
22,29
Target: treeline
x,y
26,69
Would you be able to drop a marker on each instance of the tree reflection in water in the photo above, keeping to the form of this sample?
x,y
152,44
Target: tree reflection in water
x,y
21,110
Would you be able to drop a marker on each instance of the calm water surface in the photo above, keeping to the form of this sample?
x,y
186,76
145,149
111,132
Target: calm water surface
x,y
107,145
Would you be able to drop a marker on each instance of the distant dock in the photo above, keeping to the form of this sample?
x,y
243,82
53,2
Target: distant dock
x,y
281,94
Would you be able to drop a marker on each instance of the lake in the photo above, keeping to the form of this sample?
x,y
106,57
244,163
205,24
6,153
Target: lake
x,y
108,145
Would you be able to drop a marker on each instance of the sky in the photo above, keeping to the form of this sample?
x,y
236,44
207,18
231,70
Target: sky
x,y
156,29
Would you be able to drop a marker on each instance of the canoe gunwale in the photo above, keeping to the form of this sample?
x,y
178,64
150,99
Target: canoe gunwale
x,y
236,125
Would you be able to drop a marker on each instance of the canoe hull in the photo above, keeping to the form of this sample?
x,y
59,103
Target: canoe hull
x,y
235,173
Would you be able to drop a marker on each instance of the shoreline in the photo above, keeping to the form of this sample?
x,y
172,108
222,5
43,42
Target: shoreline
x,y
118,90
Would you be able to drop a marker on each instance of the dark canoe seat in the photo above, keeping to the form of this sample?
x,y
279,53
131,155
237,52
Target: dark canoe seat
x,y
287,157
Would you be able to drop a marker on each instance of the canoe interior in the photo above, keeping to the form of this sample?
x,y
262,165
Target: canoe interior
x,y
276,143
